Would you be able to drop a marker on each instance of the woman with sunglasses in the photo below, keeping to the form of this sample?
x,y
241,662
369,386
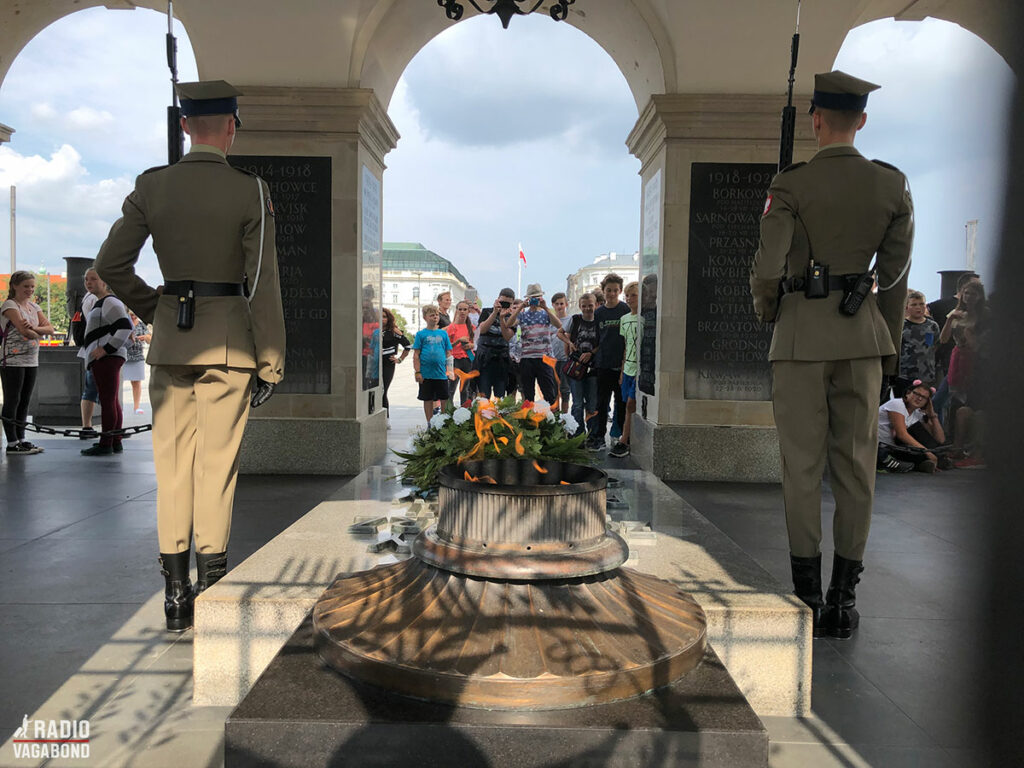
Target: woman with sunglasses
x,y
908,430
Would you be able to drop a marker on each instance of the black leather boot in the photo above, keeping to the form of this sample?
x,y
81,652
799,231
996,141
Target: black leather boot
x,y
807,586
841,617
177,591
211,569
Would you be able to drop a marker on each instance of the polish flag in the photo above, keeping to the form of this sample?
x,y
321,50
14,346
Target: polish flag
x,y
522,256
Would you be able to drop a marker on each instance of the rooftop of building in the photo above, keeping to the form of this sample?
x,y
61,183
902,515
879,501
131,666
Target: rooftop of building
x,y
414,257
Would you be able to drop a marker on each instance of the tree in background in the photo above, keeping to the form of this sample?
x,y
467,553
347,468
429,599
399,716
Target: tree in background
x,y
400,321
57,309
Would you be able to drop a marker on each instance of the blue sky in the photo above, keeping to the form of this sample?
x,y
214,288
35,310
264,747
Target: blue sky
x,y
507,136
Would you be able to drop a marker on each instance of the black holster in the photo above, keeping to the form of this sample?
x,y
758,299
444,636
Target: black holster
x,y
187,309
857,289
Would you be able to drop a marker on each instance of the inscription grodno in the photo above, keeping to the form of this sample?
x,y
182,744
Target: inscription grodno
x,y
726,346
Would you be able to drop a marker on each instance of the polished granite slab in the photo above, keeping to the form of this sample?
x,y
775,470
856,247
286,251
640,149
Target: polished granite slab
x,y
301,713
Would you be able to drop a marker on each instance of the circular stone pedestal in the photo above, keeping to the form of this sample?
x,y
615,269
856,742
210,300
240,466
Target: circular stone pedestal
x,y
443,636
515,600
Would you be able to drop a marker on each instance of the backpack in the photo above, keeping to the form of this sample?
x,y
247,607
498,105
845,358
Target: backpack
x,y
574,367
79,323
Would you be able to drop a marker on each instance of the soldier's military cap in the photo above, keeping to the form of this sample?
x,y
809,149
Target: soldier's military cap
x,y
838,90
209,97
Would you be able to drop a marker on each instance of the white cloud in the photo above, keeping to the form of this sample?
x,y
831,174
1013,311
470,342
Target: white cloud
x,y
43,111
88,119
61,210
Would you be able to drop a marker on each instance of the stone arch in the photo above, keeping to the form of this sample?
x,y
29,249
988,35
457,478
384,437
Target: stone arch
x,y
985,18
25,20
396,30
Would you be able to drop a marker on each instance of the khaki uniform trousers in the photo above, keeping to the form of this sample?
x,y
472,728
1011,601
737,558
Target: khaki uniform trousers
x,y
828,411
199,415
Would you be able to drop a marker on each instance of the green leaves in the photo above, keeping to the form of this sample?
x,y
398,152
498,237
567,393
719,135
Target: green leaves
x,y
438,447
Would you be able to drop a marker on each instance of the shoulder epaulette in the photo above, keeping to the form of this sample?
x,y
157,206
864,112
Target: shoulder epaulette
x,y
791,166
890,166
154,168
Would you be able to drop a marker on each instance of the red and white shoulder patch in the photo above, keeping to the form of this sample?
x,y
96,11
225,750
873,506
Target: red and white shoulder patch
x,y
767,205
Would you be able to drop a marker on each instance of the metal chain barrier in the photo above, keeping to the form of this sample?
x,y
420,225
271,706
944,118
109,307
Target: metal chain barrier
x,y
77,433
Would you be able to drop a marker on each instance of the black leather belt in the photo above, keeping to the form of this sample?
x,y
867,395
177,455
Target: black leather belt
x,y
182,287
835,283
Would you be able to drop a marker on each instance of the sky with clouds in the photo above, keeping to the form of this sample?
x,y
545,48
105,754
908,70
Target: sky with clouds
x,y
507,137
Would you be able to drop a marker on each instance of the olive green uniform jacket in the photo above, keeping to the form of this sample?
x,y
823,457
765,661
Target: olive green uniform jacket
x,y
840,209
205,218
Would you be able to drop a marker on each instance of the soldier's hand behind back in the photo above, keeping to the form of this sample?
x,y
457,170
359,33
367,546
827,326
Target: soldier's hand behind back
x,y
261,393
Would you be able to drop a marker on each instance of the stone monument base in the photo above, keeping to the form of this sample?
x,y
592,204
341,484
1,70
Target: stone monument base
x,y
706,452
300,713
286,445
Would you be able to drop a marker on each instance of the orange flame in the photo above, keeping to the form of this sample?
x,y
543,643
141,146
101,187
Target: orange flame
x,y
519,444
469,477
523,412
539,468
590,415
562,482
488,479
466,375
548,360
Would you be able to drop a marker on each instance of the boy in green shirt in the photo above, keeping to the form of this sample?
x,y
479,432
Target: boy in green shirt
x,y
629,328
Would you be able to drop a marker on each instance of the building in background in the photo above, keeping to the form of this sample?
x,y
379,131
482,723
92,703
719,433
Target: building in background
x,y
588,278
41,280
413,276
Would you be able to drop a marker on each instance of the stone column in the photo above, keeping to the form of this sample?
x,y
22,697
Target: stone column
x,y
321,150
704,413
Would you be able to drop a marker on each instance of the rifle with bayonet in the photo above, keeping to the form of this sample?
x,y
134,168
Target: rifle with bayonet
x,y
175,138
789,111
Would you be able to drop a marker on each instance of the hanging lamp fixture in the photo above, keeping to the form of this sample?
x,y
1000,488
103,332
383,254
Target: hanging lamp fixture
x,y
506,9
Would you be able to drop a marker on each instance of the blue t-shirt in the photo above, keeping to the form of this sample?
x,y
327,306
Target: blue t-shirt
x,y
434,346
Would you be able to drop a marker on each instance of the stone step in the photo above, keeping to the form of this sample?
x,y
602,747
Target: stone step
x,y
760,632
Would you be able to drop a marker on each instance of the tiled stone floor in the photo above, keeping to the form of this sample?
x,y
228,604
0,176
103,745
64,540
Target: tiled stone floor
x,y
80,607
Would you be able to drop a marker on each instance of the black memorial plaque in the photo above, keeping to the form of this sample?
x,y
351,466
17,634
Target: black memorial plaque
x,y
726,346
300,188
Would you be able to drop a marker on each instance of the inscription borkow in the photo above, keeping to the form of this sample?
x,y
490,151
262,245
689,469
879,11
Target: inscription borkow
x,y
726,346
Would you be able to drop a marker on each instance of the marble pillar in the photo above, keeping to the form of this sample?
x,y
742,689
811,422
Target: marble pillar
x,y
703,400
322,152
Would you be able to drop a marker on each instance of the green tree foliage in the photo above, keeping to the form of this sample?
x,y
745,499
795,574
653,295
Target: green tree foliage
x,y
56,309
400,322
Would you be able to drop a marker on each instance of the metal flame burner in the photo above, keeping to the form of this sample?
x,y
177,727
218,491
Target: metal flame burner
x,y
514,600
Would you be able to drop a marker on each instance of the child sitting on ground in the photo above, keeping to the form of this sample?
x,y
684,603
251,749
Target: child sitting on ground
x,y
908,431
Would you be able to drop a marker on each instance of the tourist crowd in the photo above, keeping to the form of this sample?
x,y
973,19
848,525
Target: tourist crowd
x,y
584,362
110,341
932,411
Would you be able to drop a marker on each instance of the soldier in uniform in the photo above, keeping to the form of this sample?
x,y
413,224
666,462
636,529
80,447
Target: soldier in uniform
x,y
217,321
823,223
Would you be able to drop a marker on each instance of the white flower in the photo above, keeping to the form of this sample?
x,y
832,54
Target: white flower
x,y
462,415
550,416
541,406
410,445
571,425
437,421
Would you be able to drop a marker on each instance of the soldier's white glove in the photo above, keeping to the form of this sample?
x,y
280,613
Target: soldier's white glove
x,y
261,393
